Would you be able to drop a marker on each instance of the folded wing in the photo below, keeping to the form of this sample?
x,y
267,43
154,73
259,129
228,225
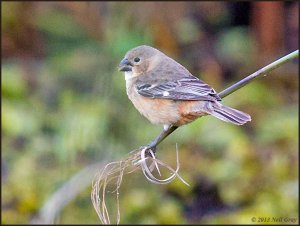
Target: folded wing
x,y
188,88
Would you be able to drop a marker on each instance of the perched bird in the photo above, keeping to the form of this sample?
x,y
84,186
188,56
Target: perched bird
x,y
166,93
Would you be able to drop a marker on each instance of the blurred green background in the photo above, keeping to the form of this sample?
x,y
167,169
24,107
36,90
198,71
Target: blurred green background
x,y
65,112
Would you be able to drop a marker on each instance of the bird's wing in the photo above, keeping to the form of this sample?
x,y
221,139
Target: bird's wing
x,y
187,88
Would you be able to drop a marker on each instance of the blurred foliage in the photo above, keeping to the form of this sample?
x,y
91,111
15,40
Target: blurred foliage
x,y
64,107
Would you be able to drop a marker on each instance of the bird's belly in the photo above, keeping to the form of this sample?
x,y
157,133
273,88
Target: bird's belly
x,y
157,111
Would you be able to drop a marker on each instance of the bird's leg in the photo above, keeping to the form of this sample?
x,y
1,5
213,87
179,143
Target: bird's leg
x,y
166,132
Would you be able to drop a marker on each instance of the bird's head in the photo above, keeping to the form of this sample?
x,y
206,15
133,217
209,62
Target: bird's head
x,y
139,60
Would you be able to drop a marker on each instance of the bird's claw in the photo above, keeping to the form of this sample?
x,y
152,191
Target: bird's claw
x,y
149,148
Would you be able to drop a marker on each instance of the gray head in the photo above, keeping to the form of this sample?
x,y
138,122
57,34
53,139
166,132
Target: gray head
x,y
138,58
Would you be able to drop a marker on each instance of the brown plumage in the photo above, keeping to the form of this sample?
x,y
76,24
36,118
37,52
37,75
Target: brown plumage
x,y
166,93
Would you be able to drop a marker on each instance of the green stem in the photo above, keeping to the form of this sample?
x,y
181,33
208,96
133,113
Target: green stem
x,y
263,71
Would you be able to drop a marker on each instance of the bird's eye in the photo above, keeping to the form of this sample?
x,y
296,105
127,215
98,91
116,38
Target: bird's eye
x,y
136,60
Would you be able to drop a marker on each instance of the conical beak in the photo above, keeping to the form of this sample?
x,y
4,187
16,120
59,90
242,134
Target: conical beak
x,y
125,65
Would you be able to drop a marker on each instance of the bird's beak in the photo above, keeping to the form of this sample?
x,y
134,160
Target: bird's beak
x,y
125,65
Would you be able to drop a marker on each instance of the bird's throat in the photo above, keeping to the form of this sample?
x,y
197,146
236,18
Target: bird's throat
x,y
128,75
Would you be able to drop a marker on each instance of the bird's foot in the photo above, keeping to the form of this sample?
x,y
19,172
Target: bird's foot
x,y
150,149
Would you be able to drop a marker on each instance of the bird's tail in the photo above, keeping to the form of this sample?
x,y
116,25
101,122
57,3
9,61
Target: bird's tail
x,y
228,114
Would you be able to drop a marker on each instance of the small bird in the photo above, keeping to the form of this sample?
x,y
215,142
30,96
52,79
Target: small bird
x,y
166,93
